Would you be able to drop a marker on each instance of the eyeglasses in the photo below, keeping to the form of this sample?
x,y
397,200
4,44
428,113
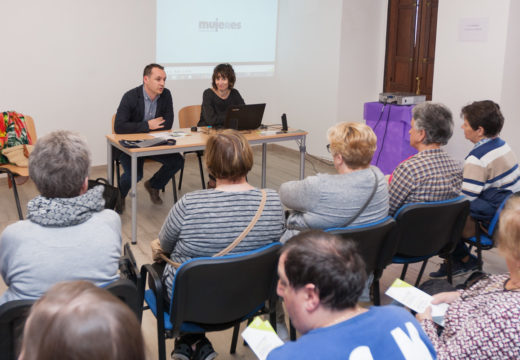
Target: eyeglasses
x,y
328,148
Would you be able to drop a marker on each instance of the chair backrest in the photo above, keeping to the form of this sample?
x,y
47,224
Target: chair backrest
x,y
432,227
31,128
217,290
372,241
127,292
113,121
12,320
189,116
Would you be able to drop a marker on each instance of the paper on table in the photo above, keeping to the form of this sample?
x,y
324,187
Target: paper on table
x,y
168,134
261,337
416,299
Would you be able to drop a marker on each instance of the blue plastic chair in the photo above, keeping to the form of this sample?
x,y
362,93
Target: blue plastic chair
x,y
375,246
483,239
214,293
427,229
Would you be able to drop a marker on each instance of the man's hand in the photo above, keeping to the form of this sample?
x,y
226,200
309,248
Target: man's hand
x,y
156,123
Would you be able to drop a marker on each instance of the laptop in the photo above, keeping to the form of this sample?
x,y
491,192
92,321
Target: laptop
x,y
244,117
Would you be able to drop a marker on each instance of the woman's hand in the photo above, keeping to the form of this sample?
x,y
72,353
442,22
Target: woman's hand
x,y
445,297
426,315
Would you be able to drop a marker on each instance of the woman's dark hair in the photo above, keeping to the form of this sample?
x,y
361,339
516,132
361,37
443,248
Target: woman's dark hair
x,y
226,71
486,114
329,262
77,320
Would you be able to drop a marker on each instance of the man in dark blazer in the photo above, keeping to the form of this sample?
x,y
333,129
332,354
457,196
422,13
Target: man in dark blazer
x,y
143,109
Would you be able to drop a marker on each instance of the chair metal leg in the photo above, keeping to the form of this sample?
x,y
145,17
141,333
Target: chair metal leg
x,y
16,198
421,273
449,269
478,234
292,331
375,291
403,273
174,189
203,182
118,172
180,177
234,340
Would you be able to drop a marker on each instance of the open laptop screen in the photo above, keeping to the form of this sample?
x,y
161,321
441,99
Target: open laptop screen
x,y
244,117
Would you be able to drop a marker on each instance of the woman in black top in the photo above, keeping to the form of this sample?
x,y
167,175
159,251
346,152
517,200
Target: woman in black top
x,y
217,99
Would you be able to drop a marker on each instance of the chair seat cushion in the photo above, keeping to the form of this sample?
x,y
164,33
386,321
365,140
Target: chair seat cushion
x,y
484,240
151,301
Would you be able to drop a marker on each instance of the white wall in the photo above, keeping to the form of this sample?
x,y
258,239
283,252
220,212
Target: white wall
x,y
67,63
469,71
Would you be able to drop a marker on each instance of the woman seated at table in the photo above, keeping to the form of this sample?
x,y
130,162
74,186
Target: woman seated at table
x,y
483,322
356,195
219,97
68,235
204,222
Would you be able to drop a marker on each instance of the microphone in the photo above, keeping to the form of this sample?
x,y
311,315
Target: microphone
x,y
284,123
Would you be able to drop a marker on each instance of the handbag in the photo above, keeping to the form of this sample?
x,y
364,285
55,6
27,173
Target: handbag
x,y
18,155
158,253
111,194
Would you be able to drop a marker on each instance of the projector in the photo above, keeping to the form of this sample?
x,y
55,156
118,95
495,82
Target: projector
x,y
401,98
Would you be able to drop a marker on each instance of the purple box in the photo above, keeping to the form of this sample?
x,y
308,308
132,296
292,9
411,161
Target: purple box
x,y
391,124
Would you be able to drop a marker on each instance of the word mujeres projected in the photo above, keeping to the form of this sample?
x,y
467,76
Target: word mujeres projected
x,y
194,36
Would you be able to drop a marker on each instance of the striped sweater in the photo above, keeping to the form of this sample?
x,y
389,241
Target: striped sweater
x,y
204,222
490,165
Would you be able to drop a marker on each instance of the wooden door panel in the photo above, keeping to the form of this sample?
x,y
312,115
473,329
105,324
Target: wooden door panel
x,y
400,46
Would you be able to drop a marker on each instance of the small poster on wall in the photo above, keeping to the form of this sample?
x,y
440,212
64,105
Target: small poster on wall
x,y
473,29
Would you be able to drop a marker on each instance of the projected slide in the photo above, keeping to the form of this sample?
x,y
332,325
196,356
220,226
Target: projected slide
x,y
194,36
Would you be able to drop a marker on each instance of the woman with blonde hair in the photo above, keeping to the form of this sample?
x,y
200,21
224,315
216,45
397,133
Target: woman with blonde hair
x,y
356,195
483,321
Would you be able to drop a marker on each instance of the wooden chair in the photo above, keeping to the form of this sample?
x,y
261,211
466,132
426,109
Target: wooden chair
x,y
11,170
116,163
189,116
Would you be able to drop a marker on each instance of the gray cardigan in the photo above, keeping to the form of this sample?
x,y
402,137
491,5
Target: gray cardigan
x,y
324,201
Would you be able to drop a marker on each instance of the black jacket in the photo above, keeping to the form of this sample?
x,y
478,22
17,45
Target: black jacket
x,y
130,113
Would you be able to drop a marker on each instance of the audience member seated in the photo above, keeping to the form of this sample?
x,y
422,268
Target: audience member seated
x,y
490,173
205,222
325,200
68,235
431,174
320,279
219,97
483,322
77,320
143,109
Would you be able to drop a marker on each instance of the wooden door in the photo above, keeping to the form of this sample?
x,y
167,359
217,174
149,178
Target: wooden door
x,y
410,48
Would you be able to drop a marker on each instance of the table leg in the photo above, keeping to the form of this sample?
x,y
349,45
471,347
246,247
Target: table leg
x,y
264,163
302,157
109,163
133,196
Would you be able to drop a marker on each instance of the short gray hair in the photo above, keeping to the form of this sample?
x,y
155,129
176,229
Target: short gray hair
x,y
59,164
436,121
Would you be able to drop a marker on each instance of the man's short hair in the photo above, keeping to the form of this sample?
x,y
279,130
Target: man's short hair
x,y
436,121
486,114
148,69
330,263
